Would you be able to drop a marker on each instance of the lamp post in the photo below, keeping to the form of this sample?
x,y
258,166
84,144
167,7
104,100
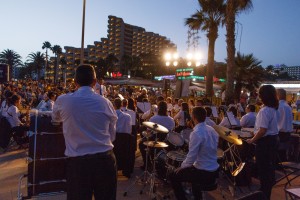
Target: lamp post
x,y
82,34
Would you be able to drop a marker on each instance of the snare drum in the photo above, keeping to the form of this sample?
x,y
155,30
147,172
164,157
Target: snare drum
x,y
174,159
175,139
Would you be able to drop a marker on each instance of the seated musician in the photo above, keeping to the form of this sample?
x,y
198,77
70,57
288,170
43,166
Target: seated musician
x,y
248,120
5,103
208,121
163,119
200,165
153,110
225,122
13,117
183,116
50,101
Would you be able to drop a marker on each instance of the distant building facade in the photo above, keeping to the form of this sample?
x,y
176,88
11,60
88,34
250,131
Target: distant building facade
x,y
122,39
293,71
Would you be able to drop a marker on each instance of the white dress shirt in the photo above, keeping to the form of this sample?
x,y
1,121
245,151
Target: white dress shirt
x,y
248,120
131,113
100,89
267,118
285,118
89,122
49,105
13,115
4,108
180,117
209,122
203,148
226,123
165,121
124,122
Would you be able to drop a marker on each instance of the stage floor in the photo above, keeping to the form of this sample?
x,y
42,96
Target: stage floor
x,y
13,165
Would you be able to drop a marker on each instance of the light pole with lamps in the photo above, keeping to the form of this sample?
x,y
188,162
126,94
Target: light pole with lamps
x,y
82,34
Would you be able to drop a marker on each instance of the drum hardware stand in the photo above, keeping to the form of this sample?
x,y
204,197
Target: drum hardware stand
x,y
144,177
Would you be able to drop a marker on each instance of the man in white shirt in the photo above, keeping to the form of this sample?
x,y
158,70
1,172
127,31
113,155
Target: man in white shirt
x,y
248,120
154,109
100,88
89,128
200,165
208,121
285,123
123,145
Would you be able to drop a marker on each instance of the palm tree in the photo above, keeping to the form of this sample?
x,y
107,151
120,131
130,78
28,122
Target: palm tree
x,y
208,19
248,73
46,45
38,61
233,8
12,59
57,50
111,60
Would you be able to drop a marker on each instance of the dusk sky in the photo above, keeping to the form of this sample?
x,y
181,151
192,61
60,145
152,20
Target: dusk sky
x,y
271,31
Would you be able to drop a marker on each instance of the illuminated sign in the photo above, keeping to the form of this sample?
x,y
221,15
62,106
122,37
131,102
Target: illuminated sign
x,y
159,78
184,72
116,74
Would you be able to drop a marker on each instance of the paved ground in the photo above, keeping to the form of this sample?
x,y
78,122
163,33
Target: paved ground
x,y
13,165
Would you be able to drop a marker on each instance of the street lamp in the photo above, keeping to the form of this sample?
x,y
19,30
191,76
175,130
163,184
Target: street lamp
x,y
82,34
171,58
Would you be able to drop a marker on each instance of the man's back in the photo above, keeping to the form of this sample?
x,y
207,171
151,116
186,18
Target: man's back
x,y
88,122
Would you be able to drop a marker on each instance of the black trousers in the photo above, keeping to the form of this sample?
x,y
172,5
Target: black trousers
x,y
191,175
266,153
92,174
19,134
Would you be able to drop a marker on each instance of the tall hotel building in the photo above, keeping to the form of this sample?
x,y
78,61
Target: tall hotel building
x,y
122,39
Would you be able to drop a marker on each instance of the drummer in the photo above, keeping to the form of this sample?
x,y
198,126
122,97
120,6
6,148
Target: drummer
x,y
163,119
200,165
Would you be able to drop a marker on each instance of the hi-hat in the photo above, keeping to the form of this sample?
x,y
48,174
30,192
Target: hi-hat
x,y
156,127
156,144
228,135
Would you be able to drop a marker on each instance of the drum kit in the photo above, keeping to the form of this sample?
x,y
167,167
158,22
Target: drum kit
x,y
173,151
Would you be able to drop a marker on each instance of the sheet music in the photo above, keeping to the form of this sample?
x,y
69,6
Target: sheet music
x,y
214,111
231,119
143,106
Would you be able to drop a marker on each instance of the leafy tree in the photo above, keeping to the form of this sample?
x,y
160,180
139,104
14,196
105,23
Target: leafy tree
x,y
111,60
38,62
233,7
11,58
57,50
248,73
47,45
208,19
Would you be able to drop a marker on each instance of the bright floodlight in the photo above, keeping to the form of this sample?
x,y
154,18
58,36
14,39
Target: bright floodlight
x,y
175,63
189,56
168,56
175,56
198,64
168,63
189,63
198,56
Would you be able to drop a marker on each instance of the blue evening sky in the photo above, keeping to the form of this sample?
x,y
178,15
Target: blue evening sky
x,y
271,31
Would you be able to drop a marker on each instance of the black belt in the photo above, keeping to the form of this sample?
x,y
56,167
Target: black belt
x,y
284,132
96,155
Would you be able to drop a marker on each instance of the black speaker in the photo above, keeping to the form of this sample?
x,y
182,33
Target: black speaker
x,y
45,124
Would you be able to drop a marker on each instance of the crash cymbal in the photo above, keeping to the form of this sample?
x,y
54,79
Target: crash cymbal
x,y
238,169
156,144
228,135
156,127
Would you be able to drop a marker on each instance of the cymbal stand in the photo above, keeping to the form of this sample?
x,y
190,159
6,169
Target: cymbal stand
x,y
235,158
152,177
143,178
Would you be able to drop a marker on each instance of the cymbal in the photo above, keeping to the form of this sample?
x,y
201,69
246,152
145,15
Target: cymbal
x,y
156,127
238,169
156,144
228,135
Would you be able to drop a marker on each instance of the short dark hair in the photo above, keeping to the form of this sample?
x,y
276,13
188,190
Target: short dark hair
x,y
14,98
268,95
185,106
117,103
85,75
208,111
199,113
162,108
251,107
160,98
